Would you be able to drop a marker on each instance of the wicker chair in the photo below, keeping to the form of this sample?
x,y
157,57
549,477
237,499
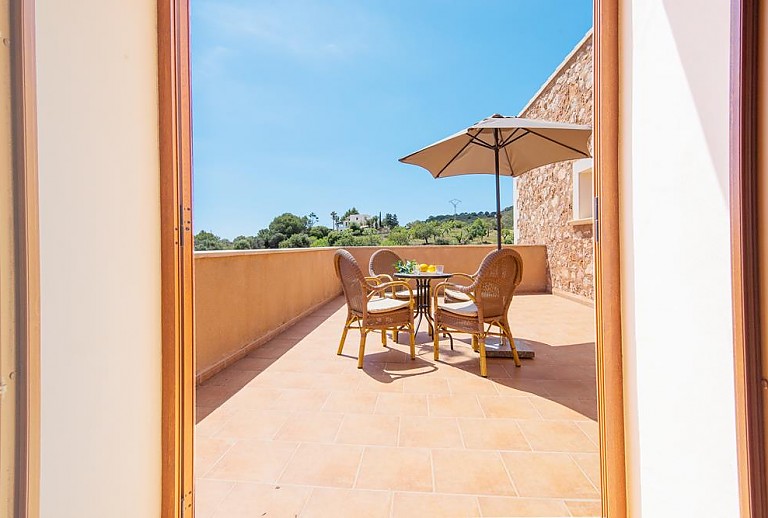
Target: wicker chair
x,y
489,297
382,266
369,308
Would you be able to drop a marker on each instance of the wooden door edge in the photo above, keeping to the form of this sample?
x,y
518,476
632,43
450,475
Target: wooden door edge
x,y
27,252
610,379
753,500
175,143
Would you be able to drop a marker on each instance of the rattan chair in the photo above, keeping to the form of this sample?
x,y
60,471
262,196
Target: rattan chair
x,y
489,297
369,308
382,266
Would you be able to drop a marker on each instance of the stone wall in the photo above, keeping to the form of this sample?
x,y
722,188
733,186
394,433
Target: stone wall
x,y
545,196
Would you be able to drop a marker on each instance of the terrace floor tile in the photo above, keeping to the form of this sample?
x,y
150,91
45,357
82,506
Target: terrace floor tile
x,y
292,429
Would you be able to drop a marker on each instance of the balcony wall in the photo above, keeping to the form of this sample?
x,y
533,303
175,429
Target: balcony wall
x,y
243,298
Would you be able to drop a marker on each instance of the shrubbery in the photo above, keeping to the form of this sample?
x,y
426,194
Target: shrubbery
x,y
292,231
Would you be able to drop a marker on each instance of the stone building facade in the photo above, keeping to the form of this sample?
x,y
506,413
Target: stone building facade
x,y
544,197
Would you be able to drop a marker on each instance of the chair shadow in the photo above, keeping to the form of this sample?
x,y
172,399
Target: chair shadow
x,y
564,374
555,371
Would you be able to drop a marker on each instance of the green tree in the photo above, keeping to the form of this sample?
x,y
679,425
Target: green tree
x,y
244,243
335,219
261,238
310,220
335,235
341,238
398,236
296,241
422,230
390,220
275,238
463,237
369,238
287,224
355,228
507,219
319,231
209,241
477,229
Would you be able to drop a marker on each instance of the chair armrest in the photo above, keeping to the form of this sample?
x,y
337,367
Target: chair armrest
x,y
377,282
381,277
391,285
374,280
458,287
464,275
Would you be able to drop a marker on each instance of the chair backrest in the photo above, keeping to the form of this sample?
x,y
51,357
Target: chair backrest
x,y
383,261
352,279
497,278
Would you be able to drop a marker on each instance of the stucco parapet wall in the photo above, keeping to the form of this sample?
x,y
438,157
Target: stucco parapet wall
x,y
211,254
243,298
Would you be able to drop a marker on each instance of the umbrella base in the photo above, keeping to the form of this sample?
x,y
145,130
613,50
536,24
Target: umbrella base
x,y
493,349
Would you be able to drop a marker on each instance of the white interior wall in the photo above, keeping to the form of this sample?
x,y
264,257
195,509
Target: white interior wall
x,y
100,258
675,256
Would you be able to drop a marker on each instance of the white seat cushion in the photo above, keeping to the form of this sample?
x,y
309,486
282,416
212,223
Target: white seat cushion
x,y
382,305
467,309
456,296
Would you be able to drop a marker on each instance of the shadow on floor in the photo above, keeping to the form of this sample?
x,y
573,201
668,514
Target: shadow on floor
x,y
564,374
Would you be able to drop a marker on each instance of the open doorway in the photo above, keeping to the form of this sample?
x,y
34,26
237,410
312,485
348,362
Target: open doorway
x,y
279,414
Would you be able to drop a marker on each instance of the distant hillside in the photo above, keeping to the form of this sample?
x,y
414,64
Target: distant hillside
x,y
469,217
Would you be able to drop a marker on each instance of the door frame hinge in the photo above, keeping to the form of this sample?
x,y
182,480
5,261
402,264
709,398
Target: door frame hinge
x,y
596,218
184,499
181,224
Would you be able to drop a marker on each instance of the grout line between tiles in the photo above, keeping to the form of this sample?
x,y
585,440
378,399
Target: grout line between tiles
x,y
399,430
485,416
290,459
461,432
523,434
220,457
432,471
311,493
570,456
359,466
541,416
338,430
218,504
509,475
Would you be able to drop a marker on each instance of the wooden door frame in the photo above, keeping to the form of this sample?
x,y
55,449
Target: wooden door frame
x,y
178,362
177,301
745,258
610,370
23,299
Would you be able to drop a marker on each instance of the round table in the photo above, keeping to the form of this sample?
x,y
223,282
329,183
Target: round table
x,y
423,298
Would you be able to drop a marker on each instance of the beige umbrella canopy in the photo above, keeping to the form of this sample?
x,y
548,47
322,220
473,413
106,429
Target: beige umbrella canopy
x,y
500,145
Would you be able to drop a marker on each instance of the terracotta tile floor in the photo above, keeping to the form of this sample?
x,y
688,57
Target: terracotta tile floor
x,y
295,430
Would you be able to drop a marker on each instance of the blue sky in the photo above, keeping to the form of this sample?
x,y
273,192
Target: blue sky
x,y
305,105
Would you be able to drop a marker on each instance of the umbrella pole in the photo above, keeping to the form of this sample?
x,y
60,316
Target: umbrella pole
x,y
498,189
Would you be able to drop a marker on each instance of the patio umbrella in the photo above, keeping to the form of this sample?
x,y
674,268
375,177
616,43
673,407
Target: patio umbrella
x,y
501,145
